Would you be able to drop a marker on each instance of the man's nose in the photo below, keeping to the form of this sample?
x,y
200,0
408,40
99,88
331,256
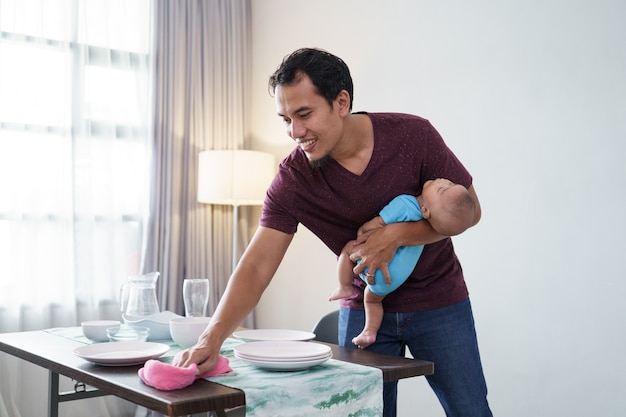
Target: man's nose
x,y
296,130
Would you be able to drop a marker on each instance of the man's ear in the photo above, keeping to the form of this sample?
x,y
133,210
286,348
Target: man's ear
x,y
343,102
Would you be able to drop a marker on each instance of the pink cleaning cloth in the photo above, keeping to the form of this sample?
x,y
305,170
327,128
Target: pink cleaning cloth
x,y
167,377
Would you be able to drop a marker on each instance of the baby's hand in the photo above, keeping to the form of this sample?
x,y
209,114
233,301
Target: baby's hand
x,y
375,223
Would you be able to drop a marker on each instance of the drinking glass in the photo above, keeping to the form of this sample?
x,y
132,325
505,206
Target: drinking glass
x,y
195,297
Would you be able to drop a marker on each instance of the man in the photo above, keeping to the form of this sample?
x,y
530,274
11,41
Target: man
x,y
345,168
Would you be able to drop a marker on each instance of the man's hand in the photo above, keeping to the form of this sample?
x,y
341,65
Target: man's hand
x,y
374,249
201,354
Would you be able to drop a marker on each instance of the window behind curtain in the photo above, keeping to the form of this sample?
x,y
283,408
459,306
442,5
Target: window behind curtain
x,y
74,108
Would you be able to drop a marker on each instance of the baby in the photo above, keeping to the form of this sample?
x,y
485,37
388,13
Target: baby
x,y
450,210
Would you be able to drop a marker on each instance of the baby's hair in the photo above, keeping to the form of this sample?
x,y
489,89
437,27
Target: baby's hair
x,y
457,216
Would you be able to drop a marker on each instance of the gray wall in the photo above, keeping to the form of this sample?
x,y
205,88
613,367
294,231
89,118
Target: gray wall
x,y
531,95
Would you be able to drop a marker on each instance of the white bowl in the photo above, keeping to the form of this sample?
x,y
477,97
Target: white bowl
x,y
185,331
158,323
96,330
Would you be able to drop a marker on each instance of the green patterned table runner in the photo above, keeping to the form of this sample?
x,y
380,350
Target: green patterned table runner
x,y
333,388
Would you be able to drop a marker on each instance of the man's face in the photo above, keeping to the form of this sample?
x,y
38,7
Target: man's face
x,y
310,120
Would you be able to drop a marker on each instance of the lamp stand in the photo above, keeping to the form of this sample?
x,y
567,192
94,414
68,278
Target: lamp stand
x,y
235,236
235,177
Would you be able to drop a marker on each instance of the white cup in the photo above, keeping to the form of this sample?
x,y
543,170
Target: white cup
x,y
96,330
195,297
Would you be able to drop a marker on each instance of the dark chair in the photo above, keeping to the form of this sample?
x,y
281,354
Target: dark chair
x,y
326,329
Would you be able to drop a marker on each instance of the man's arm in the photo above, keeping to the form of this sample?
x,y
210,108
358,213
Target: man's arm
x,y
245,287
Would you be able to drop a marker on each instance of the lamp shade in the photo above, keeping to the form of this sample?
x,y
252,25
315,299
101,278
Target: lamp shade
x,y
234,177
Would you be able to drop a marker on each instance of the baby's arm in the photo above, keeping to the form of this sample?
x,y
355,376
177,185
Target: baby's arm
x,y
375,223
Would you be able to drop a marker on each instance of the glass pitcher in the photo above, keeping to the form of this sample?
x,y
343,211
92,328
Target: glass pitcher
x,y
138,295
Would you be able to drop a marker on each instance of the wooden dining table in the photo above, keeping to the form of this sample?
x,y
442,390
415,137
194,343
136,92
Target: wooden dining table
x,y
55,353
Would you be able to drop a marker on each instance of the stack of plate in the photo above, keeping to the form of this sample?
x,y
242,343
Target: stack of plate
x,y
283,355
258,335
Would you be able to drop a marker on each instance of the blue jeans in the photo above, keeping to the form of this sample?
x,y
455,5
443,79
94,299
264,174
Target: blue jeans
x,y
444,336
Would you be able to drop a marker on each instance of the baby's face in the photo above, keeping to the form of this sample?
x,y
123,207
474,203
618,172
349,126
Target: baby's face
x,y
443,198
434,191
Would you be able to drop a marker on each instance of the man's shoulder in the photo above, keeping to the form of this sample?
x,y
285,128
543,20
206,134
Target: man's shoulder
x,y
395,117
295,160
412,129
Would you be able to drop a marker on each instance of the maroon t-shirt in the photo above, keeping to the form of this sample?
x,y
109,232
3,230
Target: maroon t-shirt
x,y
333,203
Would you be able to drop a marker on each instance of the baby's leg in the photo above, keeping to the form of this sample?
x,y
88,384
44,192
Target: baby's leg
x,y
340,292
373,319
344,274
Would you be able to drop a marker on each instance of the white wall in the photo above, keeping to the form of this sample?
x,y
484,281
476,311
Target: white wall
x,y
531,95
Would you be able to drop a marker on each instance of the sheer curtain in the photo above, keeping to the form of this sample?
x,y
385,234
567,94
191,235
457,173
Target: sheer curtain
x,y
201,91
74,157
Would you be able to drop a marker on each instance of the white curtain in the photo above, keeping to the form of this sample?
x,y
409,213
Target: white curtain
x,y
74,158
201,91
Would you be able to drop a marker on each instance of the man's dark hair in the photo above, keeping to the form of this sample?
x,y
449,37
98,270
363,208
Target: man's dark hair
x,y
328,73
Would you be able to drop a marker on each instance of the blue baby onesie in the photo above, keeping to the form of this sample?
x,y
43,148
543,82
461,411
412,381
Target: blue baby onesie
x,y
403,208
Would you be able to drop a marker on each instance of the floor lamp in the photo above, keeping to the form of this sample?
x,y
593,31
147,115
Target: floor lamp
x,y
235,178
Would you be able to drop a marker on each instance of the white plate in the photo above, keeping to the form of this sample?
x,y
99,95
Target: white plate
x,y
295,359
281,350
244,355
286,366
121,353
273,334
325,356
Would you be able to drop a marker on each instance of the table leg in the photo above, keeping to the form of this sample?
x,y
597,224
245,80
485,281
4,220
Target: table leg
x,y
55,397
53,394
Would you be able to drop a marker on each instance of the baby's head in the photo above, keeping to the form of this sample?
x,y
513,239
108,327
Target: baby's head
x,y
448,206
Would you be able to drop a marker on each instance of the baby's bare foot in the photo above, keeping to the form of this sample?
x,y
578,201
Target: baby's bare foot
x,y
365,339
340,293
